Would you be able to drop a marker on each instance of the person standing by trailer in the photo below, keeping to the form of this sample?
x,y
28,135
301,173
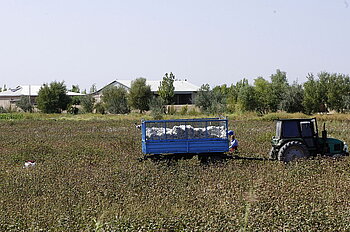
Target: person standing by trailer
x,y
233,141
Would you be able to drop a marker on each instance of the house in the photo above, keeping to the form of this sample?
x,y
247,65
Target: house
x,y
185,91
9,97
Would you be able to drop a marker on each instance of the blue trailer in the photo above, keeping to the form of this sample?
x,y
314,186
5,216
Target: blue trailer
x,y
188,137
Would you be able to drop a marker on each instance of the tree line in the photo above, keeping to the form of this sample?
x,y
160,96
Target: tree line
x,y
53,98
321,93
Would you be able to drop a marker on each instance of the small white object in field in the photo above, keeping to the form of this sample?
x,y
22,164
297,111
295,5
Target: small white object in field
x,y
137,126
29,163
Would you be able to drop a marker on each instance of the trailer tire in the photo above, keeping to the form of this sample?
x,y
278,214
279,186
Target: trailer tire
x,y
293,150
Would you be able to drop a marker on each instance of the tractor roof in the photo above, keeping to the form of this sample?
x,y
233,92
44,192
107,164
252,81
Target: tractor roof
x,y
296,119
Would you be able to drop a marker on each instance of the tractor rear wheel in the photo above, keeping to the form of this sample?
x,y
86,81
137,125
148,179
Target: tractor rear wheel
x,y
293,150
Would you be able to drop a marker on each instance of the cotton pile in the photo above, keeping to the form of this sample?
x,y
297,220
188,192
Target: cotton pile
x,y
185,132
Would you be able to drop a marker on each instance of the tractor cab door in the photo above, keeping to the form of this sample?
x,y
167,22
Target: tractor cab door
x,y
308,133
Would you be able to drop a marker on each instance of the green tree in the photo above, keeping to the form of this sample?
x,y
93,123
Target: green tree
x,y
232,94
53,98
279,84
115,99
231,98
241,85
75,89
93,88
338,86
222,90
262,91
140,95
211,101
166,88
312,99
218,104
327,92
346,102
25,104
203,98
87,102
247,98
293,99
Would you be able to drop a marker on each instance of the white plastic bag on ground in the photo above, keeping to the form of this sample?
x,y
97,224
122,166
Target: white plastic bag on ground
x,y
29,163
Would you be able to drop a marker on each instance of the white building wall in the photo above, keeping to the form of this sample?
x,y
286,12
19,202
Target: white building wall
x,y
5,102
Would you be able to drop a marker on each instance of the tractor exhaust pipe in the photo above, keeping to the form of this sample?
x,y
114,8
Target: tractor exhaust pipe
x,y
324,138
324,132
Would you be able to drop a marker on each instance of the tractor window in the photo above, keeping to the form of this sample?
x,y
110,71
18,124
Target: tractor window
x,y
306,129
290,129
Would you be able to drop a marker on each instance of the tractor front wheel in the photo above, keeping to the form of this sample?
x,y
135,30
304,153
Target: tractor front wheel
x,y
273,154
293,150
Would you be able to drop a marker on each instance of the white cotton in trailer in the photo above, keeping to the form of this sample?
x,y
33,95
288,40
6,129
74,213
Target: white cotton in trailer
x,y
185,132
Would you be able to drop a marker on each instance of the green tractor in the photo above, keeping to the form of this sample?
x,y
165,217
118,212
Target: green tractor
x,y
298,138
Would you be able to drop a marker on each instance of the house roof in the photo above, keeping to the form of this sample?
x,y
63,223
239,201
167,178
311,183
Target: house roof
x,y
179,85
26,90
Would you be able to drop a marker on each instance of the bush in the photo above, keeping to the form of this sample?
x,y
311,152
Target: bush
x,y
100,108
184,110
209,101
25,104
115,99
2,110
87,102
193,112
157,108
171,110
73,110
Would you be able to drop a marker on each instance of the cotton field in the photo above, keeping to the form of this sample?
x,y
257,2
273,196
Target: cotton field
x,y
88,177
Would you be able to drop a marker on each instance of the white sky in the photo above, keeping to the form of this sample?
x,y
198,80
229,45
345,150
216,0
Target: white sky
x,y
205,41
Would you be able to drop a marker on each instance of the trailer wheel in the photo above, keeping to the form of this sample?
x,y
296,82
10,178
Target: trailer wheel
x,y
293,150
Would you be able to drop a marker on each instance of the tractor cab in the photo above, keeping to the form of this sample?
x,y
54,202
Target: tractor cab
x,y
303,130
299,138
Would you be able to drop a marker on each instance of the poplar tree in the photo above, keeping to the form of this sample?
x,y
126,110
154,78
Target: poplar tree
x,y
166,88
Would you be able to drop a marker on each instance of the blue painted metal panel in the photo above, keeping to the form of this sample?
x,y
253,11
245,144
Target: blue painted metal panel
x,y
185,147
165,143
